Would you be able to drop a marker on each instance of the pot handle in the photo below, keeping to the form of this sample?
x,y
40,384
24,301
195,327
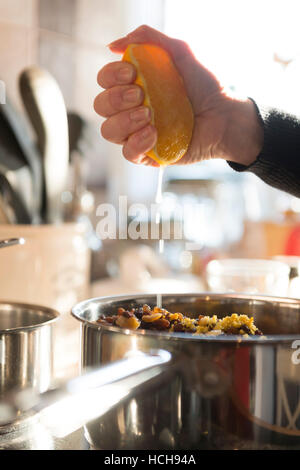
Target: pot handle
x,y
66,408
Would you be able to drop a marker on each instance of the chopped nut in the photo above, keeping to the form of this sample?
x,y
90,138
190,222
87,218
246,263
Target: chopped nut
x,y
173,316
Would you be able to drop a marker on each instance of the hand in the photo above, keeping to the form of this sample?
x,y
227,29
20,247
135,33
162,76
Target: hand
x,y
224,127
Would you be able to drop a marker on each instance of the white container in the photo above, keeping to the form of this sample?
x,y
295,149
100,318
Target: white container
x,y
251,276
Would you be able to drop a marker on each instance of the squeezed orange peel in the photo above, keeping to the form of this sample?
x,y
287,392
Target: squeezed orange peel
x,y
171,111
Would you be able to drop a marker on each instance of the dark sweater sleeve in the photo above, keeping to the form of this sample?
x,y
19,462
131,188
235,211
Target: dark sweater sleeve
x,y
278,164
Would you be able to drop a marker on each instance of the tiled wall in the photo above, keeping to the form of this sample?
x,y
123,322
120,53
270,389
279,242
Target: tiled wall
x,y
72,39
69,38
18,41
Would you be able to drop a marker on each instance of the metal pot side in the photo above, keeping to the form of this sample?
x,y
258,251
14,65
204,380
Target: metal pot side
x,y
25,346
224,393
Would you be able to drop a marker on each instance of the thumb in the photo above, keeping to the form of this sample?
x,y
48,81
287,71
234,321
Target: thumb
x,y
177,49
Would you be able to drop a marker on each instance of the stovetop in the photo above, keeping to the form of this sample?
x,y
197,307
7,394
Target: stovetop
x,y
34,436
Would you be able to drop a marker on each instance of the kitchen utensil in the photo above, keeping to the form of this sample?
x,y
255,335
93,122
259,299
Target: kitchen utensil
x,y
19,177
6,215
77,200
25,348
232,393
77,126
20,159
252,276
46,109
11,242
13,204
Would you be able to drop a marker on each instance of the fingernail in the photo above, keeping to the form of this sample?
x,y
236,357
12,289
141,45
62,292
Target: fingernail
x,y
125,74
132,95
141,114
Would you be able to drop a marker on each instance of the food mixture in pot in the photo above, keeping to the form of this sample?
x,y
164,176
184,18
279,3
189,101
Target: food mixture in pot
x,y
159,319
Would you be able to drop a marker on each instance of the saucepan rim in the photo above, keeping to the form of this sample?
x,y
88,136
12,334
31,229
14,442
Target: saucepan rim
x,y
255,340
53,316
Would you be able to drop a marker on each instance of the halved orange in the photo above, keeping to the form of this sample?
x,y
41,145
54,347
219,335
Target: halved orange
x,y
172,113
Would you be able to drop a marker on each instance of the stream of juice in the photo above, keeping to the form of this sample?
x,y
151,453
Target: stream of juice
x,y
158,201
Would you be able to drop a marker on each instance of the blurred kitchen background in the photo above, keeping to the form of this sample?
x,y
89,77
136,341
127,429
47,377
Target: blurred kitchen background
x,y
254,48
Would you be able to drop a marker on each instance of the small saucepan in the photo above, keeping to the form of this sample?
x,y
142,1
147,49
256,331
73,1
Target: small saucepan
x,y
26,352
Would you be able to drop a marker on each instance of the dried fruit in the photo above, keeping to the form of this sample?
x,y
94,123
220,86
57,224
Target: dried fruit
x,y
151,318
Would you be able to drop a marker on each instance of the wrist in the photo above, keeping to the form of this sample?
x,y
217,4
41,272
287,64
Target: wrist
x,y
244,135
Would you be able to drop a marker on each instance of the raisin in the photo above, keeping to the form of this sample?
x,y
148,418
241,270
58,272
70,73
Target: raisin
x,y
161,324
232,331
127,314
139,312
102,318
145,326
246,329
178,328
109,319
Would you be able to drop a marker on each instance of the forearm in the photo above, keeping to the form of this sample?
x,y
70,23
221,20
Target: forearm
x,y
244,133
278,160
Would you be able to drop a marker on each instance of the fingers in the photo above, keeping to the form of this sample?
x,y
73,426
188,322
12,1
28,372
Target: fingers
x,y
118,98
144,34
129,123
119,127
116,73
139,143
147,161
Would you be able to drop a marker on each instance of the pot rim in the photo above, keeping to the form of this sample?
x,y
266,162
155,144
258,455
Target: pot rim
x,y
255,340
53,314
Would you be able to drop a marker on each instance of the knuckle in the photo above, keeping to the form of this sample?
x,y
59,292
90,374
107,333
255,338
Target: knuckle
x,y
141,32
143,28
116,128
100,77
104,75
95,104
99,105
182,46
125,152
105,130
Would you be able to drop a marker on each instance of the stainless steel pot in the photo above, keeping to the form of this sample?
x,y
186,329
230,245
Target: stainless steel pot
x,y
25,349
223,392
